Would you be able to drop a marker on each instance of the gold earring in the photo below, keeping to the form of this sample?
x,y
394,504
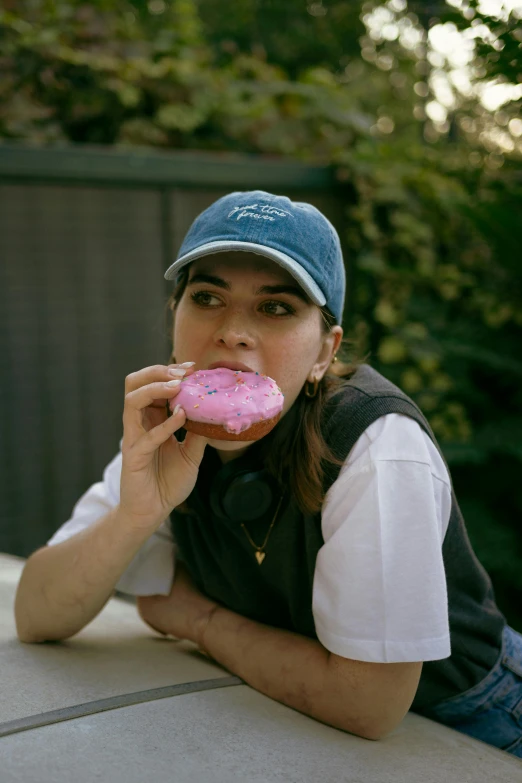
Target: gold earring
x,y
315,387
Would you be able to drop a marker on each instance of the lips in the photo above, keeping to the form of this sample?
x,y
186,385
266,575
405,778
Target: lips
x,y
230,366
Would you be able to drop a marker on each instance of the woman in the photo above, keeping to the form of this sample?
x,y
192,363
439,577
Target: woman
x,y
348,589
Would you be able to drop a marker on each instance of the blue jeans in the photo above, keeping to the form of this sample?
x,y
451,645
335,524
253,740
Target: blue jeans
x,y
491,711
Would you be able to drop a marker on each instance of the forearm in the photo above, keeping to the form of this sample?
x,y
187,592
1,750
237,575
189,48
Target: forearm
x,y
289,668
64,586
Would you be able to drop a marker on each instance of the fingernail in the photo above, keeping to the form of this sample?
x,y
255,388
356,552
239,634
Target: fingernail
x,y
176,409
178,372
173,383
187,364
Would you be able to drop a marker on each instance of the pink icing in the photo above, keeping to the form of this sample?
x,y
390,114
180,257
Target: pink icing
x,y
232,398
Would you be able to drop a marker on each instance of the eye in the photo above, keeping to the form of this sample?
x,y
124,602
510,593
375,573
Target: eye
x,y
199,296
289,310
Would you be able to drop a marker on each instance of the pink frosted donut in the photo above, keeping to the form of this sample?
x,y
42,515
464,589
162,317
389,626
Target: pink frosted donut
x,y
229,404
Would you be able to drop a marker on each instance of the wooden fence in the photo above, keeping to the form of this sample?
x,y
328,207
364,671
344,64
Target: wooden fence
x,y
85,237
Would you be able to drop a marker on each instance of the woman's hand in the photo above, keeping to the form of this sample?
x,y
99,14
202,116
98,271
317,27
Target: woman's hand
x,y
158,473
183,613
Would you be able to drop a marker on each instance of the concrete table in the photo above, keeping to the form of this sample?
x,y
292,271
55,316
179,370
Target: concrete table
x,y
117,702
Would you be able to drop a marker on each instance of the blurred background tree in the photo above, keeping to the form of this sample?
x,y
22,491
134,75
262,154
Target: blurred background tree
x,y
416,105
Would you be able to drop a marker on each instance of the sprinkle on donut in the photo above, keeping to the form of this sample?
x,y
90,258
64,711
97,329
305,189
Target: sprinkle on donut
x,y
261,398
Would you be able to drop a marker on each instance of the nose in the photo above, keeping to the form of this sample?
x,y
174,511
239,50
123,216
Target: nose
x,y
233,332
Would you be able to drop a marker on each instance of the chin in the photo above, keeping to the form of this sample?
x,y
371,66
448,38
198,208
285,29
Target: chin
x,y
230,445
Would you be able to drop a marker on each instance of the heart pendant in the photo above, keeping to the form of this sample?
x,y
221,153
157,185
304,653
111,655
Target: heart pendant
x,y
260,556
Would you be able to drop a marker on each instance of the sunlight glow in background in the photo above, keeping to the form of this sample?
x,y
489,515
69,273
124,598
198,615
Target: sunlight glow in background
x,y
453,78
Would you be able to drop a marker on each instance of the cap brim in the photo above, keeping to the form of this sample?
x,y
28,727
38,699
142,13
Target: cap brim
x,y
286,262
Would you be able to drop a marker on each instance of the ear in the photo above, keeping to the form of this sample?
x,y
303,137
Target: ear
x,y
329,348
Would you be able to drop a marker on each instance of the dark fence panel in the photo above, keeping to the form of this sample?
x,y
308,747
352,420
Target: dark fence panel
x,y
85,237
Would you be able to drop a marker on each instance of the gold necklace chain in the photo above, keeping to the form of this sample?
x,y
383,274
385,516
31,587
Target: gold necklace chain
x,y
260,555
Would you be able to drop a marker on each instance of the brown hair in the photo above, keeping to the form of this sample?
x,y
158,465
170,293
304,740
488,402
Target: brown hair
x,y
297,451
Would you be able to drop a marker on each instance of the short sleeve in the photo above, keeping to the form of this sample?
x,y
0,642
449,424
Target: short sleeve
x,y
151,572
379,590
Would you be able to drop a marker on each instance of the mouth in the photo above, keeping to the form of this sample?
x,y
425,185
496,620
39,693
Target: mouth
x,y
230,366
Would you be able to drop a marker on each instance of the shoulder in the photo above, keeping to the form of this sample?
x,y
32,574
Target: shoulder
x,y
365,383
393,472
367,417
352,404
398,438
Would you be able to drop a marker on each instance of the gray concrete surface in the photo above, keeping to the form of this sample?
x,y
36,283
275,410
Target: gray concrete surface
x,y
236,736
116,653
226,735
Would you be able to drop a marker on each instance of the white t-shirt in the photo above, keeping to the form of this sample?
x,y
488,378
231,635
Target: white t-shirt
x,y
379,591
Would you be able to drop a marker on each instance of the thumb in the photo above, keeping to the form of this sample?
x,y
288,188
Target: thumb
x,y
194,447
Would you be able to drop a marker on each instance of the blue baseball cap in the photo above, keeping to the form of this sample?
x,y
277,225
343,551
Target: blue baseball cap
x,y
293,234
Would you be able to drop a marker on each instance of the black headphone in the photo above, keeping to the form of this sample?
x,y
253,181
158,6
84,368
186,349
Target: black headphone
x,y
240,492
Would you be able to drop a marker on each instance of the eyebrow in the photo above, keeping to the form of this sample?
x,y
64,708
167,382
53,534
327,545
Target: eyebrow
x,y
265,289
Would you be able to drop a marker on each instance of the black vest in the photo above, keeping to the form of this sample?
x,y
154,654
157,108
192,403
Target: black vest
x,y
222,562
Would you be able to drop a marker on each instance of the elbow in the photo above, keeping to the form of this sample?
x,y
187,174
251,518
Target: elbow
x,y
27,638
373,731
379,727
28,634
372,722
23,624
23,632
378,732
377,696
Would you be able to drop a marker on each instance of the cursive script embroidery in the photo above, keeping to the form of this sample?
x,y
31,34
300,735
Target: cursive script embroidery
x,y
258,212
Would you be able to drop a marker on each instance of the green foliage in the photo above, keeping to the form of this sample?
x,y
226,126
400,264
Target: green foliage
x,y
431,233
439,306
499,56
